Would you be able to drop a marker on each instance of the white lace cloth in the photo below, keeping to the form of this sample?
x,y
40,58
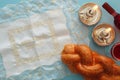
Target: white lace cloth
x,y
27,43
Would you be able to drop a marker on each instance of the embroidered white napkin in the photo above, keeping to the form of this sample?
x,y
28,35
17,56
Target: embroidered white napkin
x,y
27,43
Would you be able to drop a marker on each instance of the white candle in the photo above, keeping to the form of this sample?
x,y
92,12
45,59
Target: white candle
x,y
103,34
91,11
106,32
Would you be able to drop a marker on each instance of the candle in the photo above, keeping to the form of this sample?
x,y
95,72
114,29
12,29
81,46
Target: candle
x,y
91,11
105,33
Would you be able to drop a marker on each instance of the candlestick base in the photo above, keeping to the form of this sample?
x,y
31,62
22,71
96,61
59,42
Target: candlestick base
x,y
103,34
90,14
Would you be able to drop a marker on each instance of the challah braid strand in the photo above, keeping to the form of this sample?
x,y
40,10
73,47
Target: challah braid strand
x,y
93,66
87,67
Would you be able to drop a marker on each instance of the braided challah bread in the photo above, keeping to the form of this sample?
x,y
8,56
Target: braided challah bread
x,y
82,60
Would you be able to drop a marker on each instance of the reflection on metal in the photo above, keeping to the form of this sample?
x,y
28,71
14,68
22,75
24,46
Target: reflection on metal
x,y
90,14
103,34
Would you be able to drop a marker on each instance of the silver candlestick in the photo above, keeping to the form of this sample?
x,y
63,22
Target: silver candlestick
x,y
90,14
103,34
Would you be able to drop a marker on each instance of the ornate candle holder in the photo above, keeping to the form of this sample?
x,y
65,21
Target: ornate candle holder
x,y
103,34
90,14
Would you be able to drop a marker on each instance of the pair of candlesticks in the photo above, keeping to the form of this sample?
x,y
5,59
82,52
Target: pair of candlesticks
x,y
103,34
